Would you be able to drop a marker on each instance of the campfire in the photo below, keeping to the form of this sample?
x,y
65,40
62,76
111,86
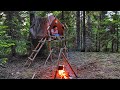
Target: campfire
x,y
62,73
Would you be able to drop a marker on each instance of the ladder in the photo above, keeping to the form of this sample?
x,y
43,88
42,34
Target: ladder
x,y
35,52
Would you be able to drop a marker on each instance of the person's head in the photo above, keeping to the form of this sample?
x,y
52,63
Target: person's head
x,y
55,27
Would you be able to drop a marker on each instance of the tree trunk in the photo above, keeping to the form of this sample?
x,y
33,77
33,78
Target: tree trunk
x,y
78,30
43,22
81,31
88,33
9,17
62,16
113,32
84,32
32,16
30,46
99,28
103,17
96,40
116,30
117,50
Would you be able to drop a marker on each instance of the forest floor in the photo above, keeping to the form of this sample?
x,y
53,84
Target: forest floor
x,y
87,65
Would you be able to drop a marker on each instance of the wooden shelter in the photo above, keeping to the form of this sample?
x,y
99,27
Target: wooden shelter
x,y
41,26
41,31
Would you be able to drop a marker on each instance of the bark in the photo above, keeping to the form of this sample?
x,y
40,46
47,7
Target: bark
x,y
81,31
32,16
78,29
84,32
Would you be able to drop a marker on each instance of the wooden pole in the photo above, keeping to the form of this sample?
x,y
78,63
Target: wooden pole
x,y
48,56
68,64
49,48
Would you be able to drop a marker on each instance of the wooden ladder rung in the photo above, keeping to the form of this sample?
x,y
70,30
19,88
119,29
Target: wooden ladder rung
x,y
65,48
30,58
35,50
40,41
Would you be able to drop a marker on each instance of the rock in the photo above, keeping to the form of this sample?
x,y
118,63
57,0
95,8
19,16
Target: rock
x,y
12,73
17,72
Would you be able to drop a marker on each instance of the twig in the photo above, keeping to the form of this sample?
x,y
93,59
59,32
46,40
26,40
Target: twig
x,y
33,75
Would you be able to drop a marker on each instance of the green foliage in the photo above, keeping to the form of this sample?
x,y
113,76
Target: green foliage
x,y
41,13
5,41
20,30
105,28
4,44
3,61
24,32
21,48
100,29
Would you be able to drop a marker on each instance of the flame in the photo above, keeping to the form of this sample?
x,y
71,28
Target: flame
x,y
63,74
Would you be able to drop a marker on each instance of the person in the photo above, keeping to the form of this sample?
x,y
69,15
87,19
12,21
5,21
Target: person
x,y
54,32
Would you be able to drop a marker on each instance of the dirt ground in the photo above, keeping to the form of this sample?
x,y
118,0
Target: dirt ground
x,y
87,65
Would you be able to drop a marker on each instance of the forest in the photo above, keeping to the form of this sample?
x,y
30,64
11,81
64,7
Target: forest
x,y
92,39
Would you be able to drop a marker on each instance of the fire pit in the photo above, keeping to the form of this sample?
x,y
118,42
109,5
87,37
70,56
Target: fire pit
x,y
62,73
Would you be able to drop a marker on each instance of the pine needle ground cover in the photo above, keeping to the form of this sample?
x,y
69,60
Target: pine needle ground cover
x,y
87,65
